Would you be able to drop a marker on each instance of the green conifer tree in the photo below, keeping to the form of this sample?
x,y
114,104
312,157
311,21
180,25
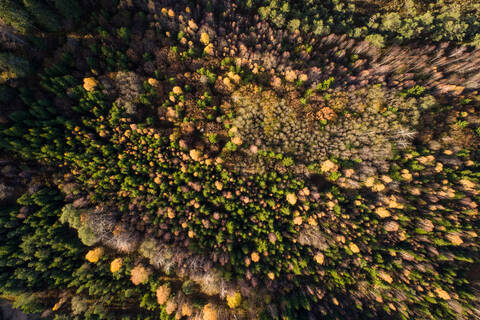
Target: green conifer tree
x,y
70,9
16,16
13,63
43,15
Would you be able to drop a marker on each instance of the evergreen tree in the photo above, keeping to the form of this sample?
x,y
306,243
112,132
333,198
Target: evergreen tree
x,y
70,9
38,251
15,64
14,15
43,15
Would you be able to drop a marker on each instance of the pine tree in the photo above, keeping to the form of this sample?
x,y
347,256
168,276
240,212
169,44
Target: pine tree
x,y
70,9
15,64
38,251
13,14
43,15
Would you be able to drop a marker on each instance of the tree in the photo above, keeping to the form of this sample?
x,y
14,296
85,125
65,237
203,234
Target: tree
x,y
69,9
16,16
38,252
43,15
12,63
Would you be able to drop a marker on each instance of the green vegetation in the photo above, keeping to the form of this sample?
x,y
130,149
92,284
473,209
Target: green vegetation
x,y
251,160
397,21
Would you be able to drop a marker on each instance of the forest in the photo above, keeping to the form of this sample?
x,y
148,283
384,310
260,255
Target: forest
x,y
243,160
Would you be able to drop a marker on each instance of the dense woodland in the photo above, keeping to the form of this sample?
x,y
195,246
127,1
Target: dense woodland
x,y
228,159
